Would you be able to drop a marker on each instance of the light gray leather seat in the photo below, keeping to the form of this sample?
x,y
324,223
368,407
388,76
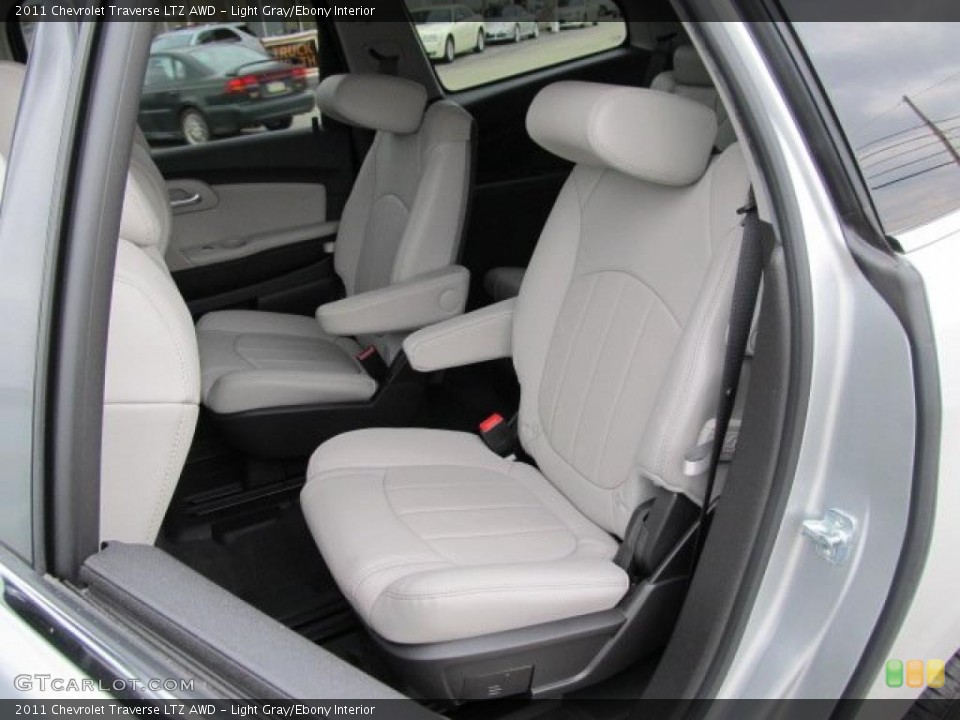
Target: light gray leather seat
x,y
152,390
398,240
11,85
617,337
689,78
152,385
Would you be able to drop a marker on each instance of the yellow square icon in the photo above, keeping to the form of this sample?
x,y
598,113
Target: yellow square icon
x,y
915,673
935,673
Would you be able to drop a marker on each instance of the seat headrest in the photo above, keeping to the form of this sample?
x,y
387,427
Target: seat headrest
x,y
688,68
145,219
649,135
376,102
11,85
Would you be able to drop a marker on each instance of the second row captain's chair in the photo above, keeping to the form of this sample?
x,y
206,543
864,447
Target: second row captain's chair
x,y
688,78
269,375
478,573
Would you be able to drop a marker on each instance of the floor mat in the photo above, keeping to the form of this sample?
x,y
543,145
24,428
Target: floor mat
x,y
268,558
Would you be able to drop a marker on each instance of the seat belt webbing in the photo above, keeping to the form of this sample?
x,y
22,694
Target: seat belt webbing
x,y
746,289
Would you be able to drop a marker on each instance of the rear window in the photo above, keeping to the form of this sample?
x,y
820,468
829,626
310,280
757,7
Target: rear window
x,y
482,42
225,58
165,42
895,88
432,16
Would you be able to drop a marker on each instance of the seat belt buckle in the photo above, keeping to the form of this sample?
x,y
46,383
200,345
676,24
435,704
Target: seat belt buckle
x,y
497,435
372,362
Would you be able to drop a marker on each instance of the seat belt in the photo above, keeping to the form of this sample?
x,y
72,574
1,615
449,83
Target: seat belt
x,y
746,289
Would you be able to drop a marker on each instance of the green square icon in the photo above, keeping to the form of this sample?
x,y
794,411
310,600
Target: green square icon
x,y
894,673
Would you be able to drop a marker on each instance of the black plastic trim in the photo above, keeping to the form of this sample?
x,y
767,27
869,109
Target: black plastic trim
x,y
295,278
90,228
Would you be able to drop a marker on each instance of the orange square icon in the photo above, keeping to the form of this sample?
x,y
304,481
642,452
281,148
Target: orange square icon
x,y
915,673
935,673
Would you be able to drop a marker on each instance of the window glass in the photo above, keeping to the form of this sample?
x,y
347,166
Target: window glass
x,y
487,40
208,82
224,35
163,69
895,88
224,59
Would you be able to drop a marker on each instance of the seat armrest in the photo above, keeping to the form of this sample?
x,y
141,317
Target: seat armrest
x,y
484,334
406,305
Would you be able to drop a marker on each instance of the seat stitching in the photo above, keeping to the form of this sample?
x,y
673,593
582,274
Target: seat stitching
x,y
499,480
369,573
464,508
427,486
406,595
391,563
160,507
501,533
601,348
642,281
641,329
569,354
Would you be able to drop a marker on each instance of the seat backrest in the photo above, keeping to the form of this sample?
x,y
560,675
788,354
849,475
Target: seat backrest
x,y
690,79
152,386
619,327
406,212
152,390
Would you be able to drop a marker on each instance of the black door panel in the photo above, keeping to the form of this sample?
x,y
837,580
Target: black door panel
x,y
290,279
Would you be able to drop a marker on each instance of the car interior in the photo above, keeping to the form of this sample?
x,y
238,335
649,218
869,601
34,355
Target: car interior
x,y
425,387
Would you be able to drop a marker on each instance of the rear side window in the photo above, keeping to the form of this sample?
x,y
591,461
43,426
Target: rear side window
x,y
895,88
229,83
225,59
482,42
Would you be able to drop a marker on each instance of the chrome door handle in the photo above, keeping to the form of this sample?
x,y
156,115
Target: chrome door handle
x,y
192,200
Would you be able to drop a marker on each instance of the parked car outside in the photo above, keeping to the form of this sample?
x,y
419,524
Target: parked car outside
x,y
207,35
449,30
510,23
196,93
577,13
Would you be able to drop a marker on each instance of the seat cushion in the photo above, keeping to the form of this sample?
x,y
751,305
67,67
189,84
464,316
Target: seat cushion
x,y
432,537
251,360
